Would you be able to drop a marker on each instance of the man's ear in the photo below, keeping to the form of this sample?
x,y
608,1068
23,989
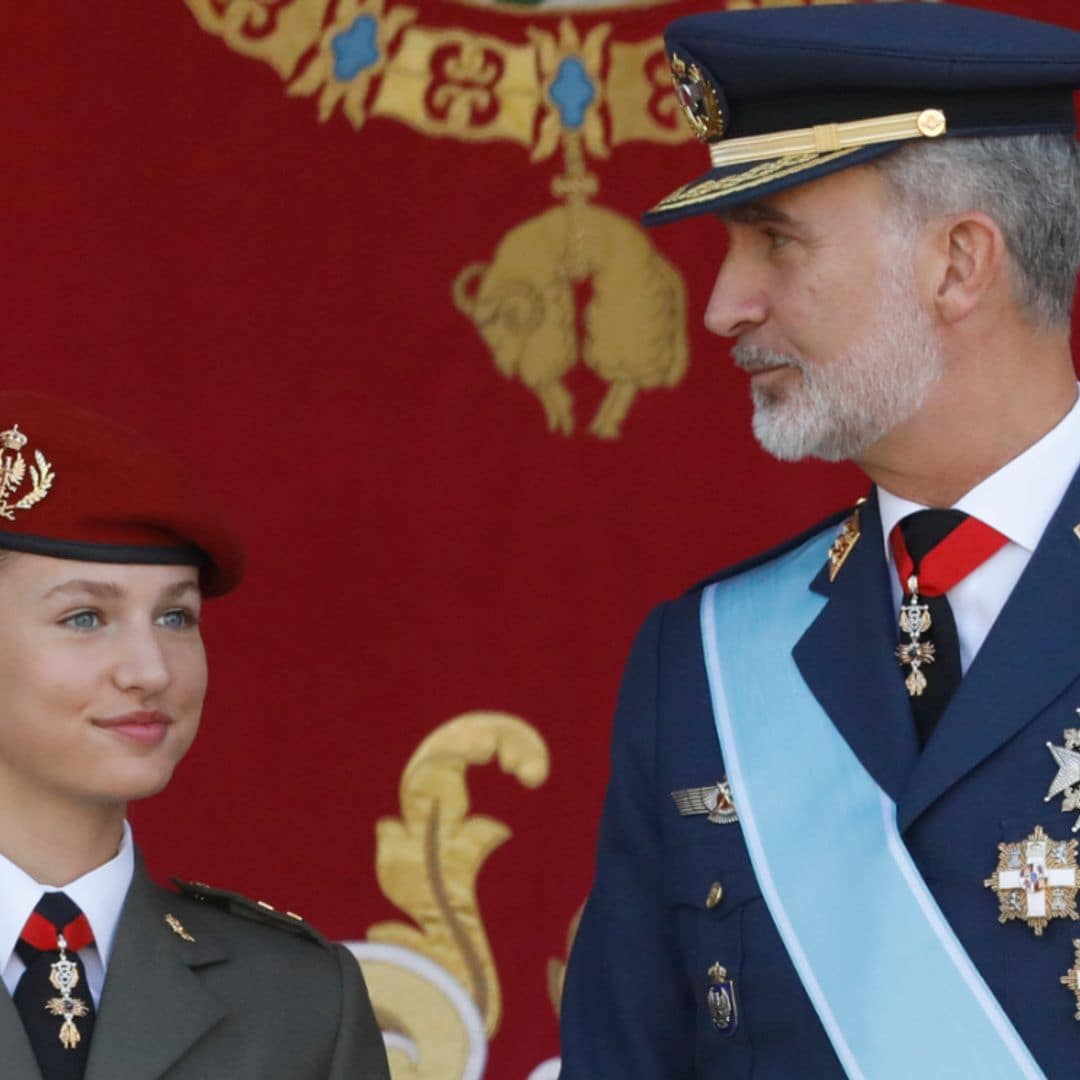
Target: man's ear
x,y
967,264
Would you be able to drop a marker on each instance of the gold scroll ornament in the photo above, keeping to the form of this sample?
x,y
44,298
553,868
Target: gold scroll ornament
x,y
428,860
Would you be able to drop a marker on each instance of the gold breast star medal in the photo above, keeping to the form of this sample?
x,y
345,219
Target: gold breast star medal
x,y
720,998
914,653
1067,780
64,977
1071,978
1036,880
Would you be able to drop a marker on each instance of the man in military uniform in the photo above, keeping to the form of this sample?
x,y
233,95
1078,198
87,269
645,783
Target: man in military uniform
x,y
834,841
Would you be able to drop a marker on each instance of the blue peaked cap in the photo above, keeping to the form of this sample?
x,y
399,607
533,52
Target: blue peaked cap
x,y
783,96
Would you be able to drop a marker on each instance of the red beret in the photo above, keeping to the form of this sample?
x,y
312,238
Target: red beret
x,y
76,485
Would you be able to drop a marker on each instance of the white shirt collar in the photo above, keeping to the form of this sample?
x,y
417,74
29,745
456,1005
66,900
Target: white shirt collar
x,y
1020,498
99,894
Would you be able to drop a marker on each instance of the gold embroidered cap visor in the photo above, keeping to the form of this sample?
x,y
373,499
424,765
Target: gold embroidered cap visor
x,y
779,97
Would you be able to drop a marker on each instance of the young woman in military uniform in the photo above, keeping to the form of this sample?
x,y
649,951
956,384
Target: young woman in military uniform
x,y
107,551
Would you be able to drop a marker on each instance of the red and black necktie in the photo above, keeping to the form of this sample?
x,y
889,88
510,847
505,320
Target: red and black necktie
x,y
934,550
52,996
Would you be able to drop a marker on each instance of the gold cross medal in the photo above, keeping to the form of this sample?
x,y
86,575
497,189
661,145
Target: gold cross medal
x,y
1067,780
1036,880
64,977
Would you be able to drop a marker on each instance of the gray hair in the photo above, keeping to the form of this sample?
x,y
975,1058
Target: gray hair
x,y
1029,185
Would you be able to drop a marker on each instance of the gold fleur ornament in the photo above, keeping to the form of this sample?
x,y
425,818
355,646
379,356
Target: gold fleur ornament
x,y
1036,880
13,470
701,101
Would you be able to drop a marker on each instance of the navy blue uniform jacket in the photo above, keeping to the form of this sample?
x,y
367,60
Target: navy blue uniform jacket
x,y
635,997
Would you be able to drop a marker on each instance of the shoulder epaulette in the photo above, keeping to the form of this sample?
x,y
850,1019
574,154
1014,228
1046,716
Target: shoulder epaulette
x,y
256,910
775,552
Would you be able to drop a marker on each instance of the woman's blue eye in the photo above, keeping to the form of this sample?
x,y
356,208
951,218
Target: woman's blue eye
x,y
83,620
177,619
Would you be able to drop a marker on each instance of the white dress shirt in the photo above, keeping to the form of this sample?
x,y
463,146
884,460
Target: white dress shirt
x,y
1018,500
99,894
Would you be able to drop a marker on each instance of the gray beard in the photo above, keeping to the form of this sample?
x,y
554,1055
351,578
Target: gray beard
x,y
839,411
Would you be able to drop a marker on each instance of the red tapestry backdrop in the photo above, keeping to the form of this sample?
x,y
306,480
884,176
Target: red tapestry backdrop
x,y
375,269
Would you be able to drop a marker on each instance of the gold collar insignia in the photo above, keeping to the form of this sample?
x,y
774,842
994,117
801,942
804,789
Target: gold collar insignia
x,y
844,544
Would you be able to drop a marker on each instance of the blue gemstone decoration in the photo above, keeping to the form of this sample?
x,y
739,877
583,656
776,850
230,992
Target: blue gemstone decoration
x,y
355,49
573,92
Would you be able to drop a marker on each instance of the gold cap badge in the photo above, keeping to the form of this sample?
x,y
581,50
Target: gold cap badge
x,y
13,471
699,98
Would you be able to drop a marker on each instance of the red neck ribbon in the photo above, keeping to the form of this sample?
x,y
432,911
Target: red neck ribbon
x,y
41,933
966,548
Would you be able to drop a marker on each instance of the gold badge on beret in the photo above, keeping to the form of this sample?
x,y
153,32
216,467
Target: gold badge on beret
x,y
701,101
1036,880
13,470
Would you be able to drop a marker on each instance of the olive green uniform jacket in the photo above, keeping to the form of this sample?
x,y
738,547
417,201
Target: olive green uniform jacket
x,y
255,996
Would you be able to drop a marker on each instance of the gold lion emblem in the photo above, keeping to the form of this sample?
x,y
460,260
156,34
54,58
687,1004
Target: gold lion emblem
x,y
13,469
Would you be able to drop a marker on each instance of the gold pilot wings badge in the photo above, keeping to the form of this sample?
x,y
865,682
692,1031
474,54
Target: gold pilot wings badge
x,y
714,801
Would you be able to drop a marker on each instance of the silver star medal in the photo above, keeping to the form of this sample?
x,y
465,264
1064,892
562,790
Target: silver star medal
x,y
1067,780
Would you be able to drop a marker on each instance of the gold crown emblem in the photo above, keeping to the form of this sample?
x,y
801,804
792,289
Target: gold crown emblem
x,y
13,470
13,439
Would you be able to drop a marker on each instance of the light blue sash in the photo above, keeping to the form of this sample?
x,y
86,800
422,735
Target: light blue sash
x,y
896,992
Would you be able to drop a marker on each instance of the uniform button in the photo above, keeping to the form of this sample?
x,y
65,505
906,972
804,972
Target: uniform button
x,y
716,894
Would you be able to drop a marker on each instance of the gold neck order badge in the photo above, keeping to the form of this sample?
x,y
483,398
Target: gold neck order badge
x,y
914,653
64,977
13,474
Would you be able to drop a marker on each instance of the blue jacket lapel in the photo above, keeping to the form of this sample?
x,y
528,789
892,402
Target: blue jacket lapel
x,y
846,658
1031,654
